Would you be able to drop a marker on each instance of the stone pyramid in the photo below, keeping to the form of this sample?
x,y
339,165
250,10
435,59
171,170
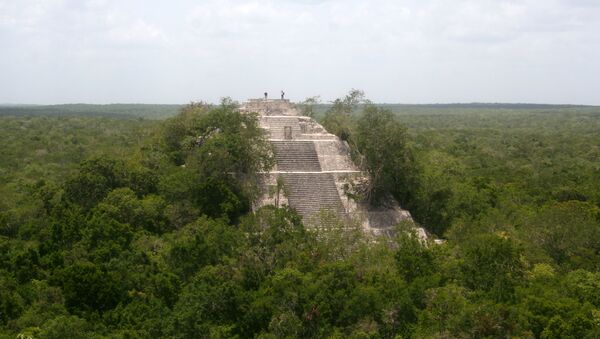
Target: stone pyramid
x,y
316,170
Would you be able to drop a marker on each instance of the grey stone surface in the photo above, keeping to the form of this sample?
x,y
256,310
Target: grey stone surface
x,y
308,193
316,169
296,155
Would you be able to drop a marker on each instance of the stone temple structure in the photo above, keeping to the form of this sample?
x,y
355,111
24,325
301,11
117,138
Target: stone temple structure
x,y
314,170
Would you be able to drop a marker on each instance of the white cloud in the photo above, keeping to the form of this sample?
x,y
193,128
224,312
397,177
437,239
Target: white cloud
x,y
137,32
397,50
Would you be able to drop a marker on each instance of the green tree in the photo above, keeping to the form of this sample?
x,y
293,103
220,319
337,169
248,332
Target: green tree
x,y
212,301
492,264
45,303
446,312
106,237
338,119
569,232
11,302
123,205
348,104
382,142
98,176
223,150
413,258
89,288
330,288
65,327
275,238
203,242
584,286
307,106
434,191
144,316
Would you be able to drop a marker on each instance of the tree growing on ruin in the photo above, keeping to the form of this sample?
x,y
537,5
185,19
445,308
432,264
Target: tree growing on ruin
x,y
382,142
307,107
338,118
222,151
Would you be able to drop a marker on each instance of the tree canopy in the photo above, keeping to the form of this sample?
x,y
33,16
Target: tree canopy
x,y
119,227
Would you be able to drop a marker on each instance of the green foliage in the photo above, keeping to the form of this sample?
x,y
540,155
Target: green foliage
x,y
124,206
381,140
89,288
145,316
276,238
413,258
105,238
492,264
337,119
569,232
307,107
110,110
584,286
378,142
97,177
11,303
211,298
132,228
65,327
222,151
203,242
446,313
217,141
47,303
348,103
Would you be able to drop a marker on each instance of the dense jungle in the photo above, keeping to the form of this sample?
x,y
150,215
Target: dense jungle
x,y
125,221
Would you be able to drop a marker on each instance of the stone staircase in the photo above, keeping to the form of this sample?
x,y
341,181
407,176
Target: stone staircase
x,y
299,156
308,193
275,126
314,166
308,189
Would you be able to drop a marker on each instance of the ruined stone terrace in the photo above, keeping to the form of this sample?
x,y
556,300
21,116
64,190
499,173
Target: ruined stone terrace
x,y
316,169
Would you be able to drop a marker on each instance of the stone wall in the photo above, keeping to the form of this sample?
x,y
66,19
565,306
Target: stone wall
x,y
316,169
269,107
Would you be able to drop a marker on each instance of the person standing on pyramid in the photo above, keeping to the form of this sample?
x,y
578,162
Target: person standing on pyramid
x,y
282,94
266,95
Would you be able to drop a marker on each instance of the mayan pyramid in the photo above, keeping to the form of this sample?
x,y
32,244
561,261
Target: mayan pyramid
x,y
316,170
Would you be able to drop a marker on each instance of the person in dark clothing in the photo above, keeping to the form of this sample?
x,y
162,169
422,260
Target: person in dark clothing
x,y
265,95
282,94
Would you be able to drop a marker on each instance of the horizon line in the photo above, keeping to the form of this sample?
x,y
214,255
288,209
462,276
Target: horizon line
x,y
9,104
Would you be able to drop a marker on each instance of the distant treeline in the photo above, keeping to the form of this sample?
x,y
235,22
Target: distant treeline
x,y
486,105
156,111
461,109
117,227
112,110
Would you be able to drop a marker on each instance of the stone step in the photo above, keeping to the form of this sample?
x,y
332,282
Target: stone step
x,y
308,193
296,156
275,126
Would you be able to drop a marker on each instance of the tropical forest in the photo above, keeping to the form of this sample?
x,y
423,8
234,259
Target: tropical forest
x,y
138,221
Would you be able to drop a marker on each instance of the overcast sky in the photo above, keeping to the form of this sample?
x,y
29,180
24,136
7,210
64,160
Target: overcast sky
x,y
416,51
